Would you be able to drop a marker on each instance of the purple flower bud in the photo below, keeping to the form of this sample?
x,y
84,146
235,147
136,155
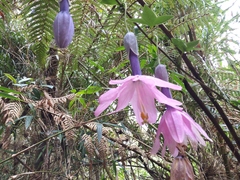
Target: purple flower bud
x,y
161,73
131,46
63,26
64,5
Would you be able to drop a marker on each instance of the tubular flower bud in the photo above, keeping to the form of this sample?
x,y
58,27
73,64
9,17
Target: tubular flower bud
x,y
63,26
161,73
181,169
131,46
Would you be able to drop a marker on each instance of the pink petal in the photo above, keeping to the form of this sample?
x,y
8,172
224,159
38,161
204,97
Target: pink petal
x,y
175,124
158,82
136,108
196,125
148,102
105,100
121,81
165,100
169,142
156,146
125,96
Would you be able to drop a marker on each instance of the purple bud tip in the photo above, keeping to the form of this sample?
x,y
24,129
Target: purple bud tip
x,y
63,29
64,5
130,43
131,46
161,73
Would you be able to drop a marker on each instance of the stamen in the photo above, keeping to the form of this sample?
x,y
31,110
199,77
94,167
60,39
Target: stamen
x,y
144,117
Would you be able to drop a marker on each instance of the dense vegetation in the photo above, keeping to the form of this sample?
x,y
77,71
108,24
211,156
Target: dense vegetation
x,y
48,95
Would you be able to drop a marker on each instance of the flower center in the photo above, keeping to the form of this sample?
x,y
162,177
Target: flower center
x,y
144,115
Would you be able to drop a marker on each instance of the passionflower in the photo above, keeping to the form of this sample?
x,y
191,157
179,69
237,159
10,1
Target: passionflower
x,y
176,126
63,26
137,90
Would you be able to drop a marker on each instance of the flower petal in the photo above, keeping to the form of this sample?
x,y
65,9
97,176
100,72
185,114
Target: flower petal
x,y
165,100
105,100
158,82
196,125
125,96
148,102
175,124
121,81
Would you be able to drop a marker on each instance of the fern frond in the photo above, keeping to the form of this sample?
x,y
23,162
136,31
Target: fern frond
x,y
88,144
40,16
66,122
93,127
11,111
63,99
102,147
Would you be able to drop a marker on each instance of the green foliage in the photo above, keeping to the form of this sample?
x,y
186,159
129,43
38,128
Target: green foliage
x,y
39,17
149,18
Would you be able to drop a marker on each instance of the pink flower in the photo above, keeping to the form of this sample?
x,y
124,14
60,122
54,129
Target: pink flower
x,y
140,91
177,127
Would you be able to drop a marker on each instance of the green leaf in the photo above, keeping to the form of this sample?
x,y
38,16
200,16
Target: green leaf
x,y
9,76
191,45
176,78
99,131
114,167
162,19
28,120
148,16
5,95
82,101
120,48
89,90
110,2
141,21
9,90
180,44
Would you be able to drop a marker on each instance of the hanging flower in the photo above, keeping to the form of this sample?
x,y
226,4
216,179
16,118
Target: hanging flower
x,y
63,26
176,126
138,90
181,169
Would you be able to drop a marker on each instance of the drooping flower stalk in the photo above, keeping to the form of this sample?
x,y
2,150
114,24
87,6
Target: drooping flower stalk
x,y
63,26
138,90
176,125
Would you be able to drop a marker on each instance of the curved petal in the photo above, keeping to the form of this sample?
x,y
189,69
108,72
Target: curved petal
x,y
125,96
175,124
105,100
187,117
168,140
165,100
158,82
156,146
121,81
136,108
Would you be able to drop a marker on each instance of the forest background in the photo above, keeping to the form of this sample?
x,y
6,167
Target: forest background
x,y
48,95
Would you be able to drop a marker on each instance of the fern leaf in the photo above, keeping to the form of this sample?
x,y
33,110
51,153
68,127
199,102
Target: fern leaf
x,y
40,16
